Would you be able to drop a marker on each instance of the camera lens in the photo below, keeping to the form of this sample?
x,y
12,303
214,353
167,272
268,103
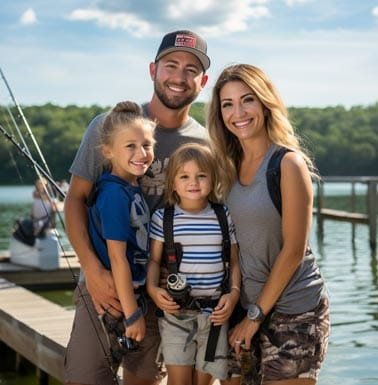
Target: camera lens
x,y
172,279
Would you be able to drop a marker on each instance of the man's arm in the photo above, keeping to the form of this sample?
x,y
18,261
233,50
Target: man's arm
x,y
99,281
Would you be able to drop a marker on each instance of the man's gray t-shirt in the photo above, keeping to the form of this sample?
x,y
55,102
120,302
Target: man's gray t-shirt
x,y
88,162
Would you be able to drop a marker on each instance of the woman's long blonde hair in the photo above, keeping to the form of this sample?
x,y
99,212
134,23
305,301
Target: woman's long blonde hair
x,y
226,145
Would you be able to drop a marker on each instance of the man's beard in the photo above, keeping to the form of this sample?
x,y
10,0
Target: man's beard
x,y
174,103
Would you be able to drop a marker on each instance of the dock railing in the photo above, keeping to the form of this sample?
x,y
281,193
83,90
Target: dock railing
x,y
369,218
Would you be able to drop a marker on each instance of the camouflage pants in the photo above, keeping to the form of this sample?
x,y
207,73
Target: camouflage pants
x,y
288,346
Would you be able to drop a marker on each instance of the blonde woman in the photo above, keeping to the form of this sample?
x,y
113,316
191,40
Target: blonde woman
x,y
286,326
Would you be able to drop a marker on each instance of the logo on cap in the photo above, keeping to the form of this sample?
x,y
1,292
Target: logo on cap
x,y
185,41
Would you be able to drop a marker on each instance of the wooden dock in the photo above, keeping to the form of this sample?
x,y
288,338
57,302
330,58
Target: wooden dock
x,y
34,327
63,278
369,217
37,329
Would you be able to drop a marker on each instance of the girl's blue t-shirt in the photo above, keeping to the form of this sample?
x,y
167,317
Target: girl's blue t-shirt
x,y
120,213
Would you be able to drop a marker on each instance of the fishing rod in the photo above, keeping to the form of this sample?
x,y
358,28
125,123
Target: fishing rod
x,y
30,132
31,135
113,366
40,169
26,151
34,163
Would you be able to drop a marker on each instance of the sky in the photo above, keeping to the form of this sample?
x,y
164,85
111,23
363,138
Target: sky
x,y
318,52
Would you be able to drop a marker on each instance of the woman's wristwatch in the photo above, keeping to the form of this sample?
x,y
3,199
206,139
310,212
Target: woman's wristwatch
x,y
255,313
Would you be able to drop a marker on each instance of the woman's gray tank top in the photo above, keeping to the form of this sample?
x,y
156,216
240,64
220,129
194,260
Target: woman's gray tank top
x,y
258,230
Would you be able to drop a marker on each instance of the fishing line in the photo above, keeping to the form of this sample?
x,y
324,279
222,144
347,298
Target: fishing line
x,y
61,192
47,173
40,171
25,122
13,160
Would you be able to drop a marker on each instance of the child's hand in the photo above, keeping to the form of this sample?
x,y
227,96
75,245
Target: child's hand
x,y
137,330
222,312
164,301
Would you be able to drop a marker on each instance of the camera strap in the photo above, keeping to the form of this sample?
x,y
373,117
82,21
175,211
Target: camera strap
x,y
173,251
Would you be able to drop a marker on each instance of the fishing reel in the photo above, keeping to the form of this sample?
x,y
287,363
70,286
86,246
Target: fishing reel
x,y
127,343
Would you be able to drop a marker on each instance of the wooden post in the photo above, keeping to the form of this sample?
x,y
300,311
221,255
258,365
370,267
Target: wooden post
x,y
353,209
43,377
372,213
8,360
353,198
320,201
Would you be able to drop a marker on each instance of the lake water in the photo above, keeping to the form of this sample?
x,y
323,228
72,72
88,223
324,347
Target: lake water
x,y
348,265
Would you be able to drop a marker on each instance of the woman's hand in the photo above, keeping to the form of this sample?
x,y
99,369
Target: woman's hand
x,y
242,334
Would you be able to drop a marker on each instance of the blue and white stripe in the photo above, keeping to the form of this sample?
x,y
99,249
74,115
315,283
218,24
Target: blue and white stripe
x,y
201,238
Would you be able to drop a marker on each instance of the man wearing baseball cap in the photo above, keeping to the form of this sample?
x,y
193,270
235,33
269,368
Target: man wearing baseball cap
x,y
178,75
185,41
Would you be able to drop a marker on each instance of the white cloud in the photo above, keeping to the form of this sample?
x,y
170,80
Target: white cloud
x,y
129,22
29,17
185,8
209,16
311,65
292,3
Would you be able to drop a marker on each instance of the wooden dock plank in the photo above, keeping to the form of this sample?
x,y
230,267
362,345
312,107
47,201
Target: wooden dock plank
x,y
34,327
64,277
344,216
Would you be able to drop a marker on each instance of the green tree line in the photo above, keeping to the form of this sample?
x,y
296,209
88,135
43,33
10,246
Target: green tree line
x,y
341,141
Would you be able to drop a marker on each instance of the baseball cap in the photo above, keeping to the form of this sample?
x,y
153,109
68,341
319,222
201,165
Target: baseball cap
x,y
184,41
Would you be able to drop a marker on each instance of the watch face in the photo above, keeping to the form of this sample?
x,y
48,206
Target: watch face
x,y
254,313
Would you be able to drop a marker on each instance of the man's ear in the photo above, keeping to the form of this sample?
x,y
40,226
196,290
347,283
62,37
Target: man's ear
x,y
204,80
153,69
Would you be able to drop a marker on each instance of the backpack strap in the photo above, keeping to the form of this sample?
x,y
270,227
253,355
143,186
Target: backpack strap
x,y
173,251
214,332
223,223
273,177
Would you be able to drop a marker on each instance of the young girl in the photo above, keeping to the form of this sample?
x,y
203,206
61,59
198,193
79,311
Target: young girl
x,y
119,217
191,182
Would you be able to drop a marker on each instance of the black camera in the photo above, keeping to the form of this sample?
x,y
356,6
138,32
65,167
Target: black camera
x,y
178,289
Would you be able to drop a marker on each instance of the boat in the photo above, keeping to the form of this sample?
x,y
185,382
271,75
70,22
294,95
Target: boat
x,y
40,252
